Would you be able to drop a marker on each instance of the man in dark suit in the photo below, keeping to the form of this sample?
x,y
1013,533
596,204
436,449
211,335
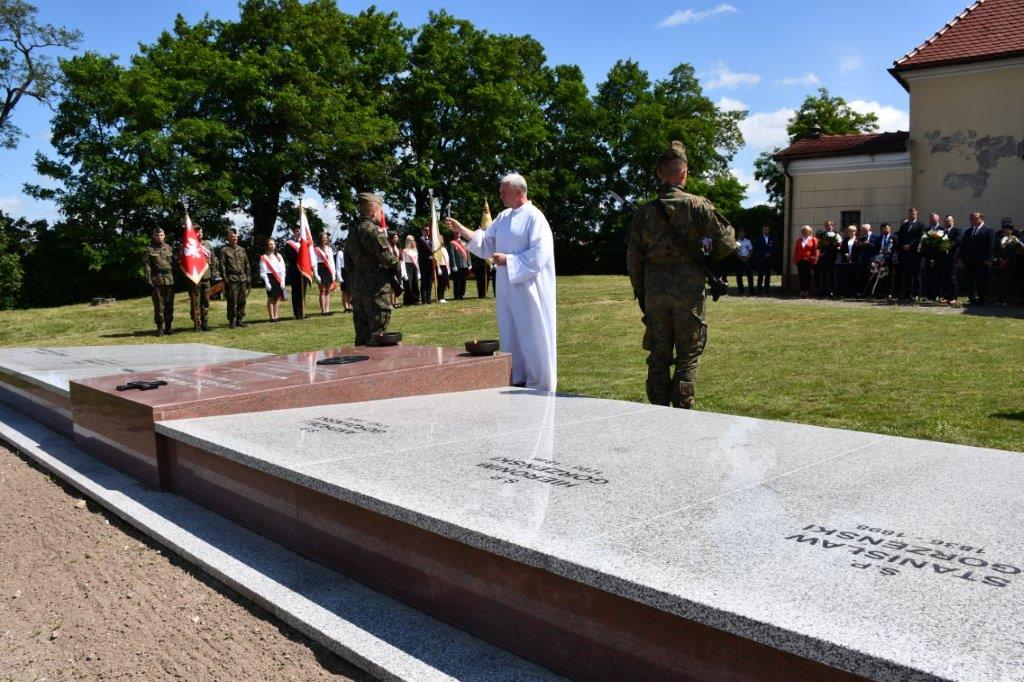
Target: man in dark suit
x,y
932,265
425,256
909,235
826,267
974,256
764,256
948,266
868,245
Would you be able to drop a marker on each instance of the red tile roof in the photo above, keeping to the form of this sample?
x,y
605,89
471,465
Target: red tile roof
x,y
845,145
988,29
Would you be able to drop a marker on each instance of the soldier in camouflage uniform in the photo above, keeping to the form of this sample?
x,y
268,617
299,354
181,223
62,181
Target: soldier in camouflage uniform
x,y
371,268
202,289
663,246
158,265
234,268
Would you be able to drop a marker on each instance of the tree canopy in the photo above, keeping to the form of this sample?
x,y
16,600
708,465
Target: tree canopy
x,y
243,115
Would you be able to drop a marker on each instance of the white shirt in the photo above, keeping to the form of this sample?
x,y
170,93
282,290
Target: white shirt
x,y
744,247
275,266
524,292
339,265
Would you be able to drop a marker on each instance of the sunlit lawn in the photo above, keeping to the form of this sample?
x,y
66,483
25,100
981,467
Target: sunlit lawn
x,y
956,378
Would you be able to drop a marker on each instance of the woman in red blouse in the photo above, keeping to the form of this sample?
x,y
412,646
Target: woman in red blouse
x,y
805,255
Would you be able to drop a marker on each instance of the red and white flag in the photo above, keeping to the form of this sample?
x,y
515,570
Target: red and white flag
x,y
193,260
305,259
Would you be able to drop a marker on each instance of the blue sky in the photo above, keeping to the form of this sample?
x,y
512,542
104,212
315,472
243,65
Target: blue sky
x,y
761,56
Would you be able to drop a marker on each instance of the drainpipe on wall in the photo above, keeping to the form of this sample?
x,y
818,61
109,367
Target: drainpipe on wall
x,y
789,225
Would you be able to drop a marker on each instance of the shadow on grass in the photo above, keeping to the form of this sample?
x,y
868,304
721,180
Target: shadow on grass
x,y
1012,416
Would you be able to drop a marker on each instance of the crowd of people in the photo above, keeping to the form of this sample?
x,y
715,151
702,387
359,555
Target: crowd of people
x,y
937,262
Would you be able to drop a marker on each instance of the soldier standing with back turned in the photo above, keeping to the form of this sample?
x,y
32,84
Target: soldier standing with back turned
x,y
158,264
663,248
234,268
371,268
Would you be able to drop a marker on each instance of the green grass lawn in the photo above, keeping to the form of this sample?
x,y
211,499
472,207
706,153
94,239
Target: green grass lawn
x,y
954,378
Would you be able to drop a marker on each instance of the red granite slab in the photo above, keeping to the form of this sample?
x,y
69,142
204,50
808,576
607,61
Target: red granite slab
x,y
117,427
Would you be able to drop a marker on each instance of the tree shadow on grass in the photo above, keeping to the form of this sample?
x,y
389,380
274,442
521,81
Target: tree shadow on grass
x,y
1012,416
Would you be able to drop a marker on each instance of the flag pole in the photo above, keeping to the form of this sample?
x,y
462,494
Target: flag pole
x,y
302,277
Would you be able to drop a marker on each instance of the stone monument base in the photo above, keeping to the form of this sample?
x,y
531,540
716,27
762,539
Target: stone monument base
x,y
34,380
117,426
606,539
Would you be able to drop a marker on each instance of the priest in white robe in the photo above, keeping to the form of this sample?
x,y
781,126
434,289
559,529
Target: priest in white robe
x,y
519,242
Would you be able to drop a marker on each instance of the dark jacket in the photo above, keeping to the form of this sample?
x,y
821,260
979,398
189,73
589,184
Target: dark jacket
x,y
910,234
764,253
975,248
868,248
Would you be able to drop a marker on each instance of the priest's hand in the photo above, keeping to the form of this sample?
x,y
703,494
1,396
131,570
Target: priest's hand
x,y
500,259
455,226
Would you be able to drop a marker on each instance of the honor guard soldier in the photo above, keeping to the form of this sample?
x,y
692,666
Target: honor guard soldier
x,y
202,289
372,267
158,265
234,268
666,268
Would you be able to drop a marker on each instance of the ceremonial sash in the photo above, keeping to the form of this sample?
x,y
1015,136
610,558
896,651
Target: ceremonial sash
x,y
294,244
322,258
457,245
272,269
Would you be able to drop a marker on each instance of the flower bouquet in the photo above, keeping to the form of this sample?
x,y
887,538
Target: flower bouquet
x,y
829,240
934,242
1011,246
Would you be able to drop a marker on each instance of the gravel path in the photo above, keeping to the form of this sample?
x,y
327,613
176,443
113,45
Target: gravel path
x,y
83,595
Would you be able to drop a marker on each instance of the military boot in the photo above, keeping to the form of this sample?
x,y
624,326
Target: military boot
x,y
159,330
167,329
206,326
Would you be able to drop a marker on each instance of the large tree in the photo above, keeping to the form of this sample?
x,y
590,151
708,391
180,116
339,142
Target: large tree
x,y
26,67
819,114
469,110
230,114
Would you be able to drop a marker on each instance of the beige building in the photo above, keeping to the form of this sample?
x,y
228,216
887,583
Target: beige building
x,y
965,148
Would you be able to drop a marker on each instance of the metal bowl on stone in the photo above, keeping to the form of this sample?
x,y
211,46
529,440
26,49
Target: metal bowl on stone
x,y
387,338
482,347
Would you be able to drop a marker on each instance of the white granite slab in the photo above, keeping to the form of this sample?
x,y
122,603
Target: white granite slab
x,y
53,367
707,516
382,636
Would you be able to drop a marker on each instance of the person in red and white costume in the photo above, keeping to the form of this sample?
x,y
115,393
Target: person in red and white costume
x,y
324,272
272,271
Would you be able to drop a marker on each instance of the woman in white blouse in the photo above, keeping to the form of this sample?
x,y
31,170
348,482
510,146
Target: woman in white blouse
x,y
410,272
323,256
272,271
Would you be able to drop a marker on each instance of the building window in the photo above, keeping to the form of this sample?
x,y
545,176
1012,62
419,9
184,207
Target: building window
x,y
847,218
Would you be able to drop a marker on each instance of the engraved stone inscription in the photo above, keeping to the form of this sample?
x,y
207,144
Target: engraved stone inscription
x,y
548,471
346,426
891,552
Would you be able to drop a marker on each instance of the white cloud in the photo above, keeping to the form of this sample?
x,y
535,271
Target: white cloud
x,y
722,77
13,206
730,104
808,79
690,16
889,118
766,129
850,61
756,193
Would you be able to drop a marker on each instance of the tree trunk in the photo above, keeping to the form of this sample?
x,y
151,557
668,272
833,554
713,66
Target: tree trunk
x,y
264,217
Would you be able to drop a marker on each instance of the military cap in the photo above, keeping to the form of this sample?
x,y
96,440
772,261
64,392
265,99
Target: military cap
x,y
370,197
676,150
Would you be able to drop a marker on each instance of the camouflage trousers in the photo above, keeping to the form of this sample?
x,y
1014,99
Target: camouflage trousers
x,y
163,304
199,299
371,312
676,335
235,293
